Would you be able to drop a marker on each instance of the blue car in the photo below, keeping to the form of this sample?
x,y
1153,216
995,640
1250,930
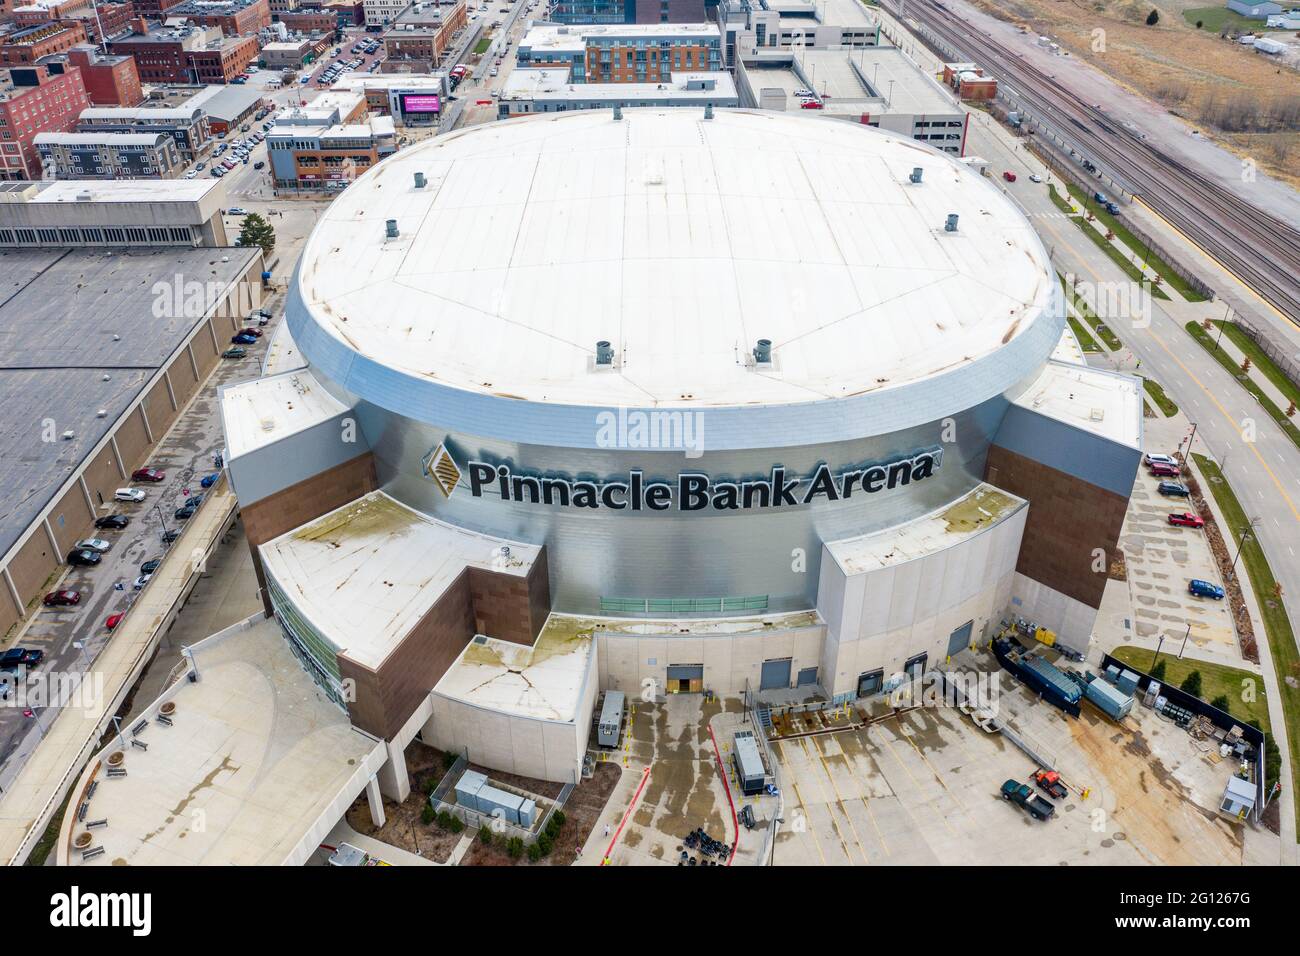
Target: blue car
x,y
1205,589
243,338
209,480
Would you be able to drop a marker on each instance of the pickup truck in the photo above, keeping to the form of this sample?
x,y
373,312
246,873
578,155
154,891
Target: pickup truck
x,y
1024,797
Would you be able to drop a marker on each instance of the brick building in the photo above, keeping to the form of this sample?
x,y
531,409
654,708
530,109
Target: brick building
x,y
36,12
110,80
418,38
624,53
29,44
234,17
193,54
44,97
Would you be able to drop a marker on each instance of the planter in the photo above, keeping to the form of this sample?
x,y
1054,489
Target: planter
x,y
168,708
116,758
82,841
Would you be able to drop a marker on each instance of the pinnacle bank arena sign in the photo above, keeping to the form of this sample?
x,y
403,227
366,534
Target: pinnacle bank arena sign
x,y
695,491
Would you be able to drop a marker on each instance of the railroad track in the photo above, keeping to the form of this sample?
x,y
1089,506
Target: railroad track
x,y
1258,248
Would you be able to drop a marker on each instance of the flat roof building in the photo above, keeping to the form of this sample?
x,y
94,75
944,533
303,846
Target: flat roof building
x,y
623,53
549,90
104,155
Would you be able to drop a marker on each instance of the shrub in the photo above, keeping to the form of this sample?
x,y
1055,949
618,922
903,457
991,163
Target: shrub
x,y
427,814
485,835
1153,18
559,818
455,825
444,820
534,853
448,758
515,848
1220,702
545,844
1192,684
1158,672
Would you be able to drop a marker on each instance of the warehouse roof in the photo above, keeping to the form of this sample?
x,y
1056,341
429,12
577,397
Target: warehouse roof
x,y
1094,400
365,574
78,334
265,410
681,241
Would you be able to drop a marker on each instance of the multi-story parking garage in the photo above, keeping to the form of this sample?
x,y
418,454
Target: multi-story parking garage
x,y
668,399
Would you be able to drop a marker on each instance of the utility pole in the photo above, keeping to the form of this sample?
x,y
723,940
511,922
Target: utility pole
x,y
1245,536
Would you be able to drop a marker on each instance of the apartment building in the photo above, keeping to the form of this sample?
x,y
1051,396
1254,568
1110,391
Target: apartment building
x,y
110,155
418,38
188,126
379,13
624,53
44,97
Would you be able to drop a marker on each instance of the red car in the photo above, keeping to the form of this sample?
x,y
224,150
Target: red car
x,y
1009,176
61,598
256,333
114,620
148,474
1161,470
1187,519
811,105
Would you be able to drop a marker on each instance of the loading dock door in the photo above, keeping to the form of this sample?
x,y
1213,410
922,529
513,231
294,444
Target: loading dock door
x,y
915,666
775,674
870,683
959,640
685,678
807,675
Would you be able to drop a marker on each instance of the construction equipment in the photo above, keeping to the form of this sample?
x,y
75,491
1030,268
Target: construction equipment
x,y
1049,781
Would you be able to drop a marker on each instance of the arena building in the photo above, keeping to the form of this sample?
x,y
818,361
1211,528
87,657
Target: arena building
x,y
667,398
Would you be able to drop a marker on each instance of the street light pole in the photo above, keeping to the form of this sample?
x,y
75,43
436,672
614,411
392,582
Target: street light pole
x,y
1185,637
1156,655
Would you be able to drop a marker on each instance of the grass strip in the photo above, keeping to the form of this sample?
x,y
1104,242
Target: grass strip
x,y
1277,625
1158,395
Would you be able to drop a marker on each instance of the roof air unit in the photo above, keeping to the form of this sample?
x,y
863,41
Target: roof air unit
x,y
390,229
951,224
618,111
419,180
916,174
763,352
604,353
708,111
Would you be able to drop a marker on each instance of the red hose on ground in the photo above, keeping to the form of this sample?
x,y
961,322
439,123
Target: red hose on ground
x,y
726,785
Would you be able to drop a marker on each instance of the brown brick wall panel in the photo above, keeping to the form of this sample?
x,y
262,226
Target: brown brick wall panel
x,y
386,697
182,376
300,503
9,614
1068,519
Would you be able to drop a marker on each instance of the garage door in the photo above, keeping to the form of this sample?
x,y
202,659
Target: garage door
x,y
807,675
686,672
775,674
915,666
959,640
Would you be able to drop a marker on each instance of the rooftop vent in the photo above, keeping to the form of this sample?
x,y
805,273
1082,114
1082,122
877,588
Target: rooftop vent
x,y
69,435
916,174
618,111
604,353
419,180
950,225
390,229
763,352
708,111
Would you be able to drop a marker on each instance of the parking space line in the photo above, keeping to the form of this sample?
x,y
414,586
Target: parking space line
x,y
840,800
907,770
937,775
803,807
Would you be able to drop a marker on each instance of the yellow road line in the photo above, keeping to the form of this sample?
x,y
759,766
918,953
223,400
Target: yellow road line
x,y
840,800
907,770
830,814
803,807
937,775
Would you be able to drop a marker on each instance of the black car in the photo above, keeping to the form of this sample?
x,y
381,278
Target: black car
x,y
149,567
17,657
185,512
84,557
116,522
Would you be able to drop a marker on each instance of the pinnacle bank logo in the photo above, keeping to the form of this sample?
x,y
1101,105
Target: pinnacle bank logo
x,y
689,491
